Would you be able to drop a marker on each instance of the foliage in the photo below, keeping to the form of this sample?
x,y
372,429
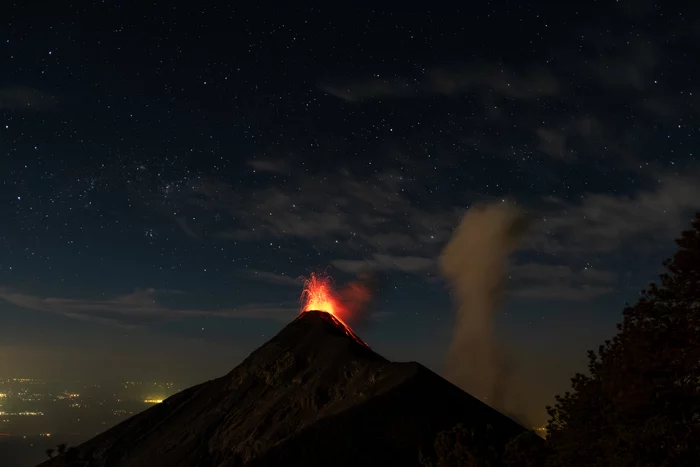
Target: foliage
x,y
461,447
640,403
526,450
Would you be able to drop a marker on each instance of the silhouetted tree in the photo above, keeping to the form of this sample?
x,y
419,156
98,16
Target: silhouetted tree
x,y
49,452
640,404
461,447
526,450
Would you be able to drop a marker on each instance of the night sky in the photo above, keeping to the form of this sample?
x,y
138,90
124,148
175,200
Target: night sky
x,y
170,170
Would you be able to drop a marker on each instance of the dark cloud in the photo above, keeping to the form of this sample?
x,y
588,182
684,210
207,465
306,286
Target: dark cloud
x,y
374,224
605,222
374,88
558,282
25,98
561,293
524,85
263,165
185,227
410,264
630,66
138,308
661,106
340,211
552,142
476,78
273,278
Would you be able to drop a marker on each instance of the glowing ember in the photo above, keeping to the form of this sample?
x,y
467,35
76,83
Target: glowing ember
x,y
318,295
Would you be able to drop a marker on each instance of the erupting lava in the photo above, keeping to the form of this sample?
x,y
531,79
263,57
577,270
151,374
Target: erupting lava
x,y
318,295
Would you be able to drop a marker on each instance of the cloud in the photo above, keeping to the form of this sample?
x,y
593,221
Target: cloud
x,y
559,293
344,215
604,223
558,282
25,98
185,227
410,264
339,211
597,275
663,106
632,67
138,308
262,165
369,89
522,85
274,278
586,140
552,142
379,316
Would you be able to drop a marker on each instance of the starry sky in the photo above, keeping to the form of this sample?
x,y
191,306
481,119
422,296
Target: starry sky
x,y
170,169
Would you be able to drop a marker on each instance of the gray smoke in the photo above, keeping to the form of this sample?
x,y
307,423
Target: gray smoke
x,y
474,263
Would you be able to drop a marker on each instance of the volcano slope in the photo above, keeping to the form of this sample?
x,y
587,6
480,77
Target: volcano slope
x,y
311,396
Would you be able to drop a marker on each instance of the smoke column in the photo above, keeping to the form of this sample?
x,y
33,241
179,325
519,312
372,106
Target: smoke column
x,y
474,263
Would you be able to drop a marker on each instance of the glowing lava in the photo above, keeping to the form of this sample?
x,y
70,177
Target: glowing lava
x,y
318,295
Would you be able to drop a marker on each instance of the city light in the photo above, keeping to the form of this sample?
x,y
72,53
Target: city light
x,y
2,395
153,401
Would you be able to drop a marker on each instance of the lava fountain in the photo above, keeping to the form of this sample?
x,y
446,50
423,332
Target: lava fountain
x,y
319,295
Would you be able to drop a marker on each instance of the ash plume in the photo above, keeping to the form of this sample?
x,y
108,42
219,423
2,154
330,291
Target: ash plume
x,y
474,263
359,297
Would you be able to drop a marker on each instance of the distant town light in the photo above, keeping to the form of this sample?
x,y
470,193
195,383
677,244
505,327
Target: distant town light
x,y
153,401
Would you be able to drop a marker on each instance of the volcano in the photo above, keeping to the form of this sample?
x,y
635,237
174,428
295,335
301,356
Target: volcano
x,y
311,396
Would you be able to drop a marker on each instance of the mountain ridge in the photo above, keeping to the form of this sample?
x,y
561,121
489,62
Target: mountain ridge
x,y
309,396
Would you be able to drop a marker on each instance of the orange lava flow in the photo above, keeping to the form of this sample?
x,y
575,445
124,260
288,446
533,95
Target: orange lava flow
x,y
318,295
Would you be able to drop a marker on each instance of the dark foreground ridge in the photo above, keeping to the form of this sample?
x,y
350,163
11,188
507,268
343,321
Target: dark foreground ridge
x,y
311,396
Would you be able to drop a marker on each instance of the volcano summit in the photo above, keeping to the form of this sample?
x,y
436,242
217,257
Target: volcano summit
x,y
311,396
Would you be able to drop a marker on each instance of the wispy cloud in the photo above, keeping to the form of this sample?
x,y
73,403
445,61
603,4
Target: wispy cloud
x,y
631,66
266,165
525,85
552,142
338,211
411,264
185,227
561,293
478,78
374,88
272,277
557,282
25,98
603,222
344,216
138,308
